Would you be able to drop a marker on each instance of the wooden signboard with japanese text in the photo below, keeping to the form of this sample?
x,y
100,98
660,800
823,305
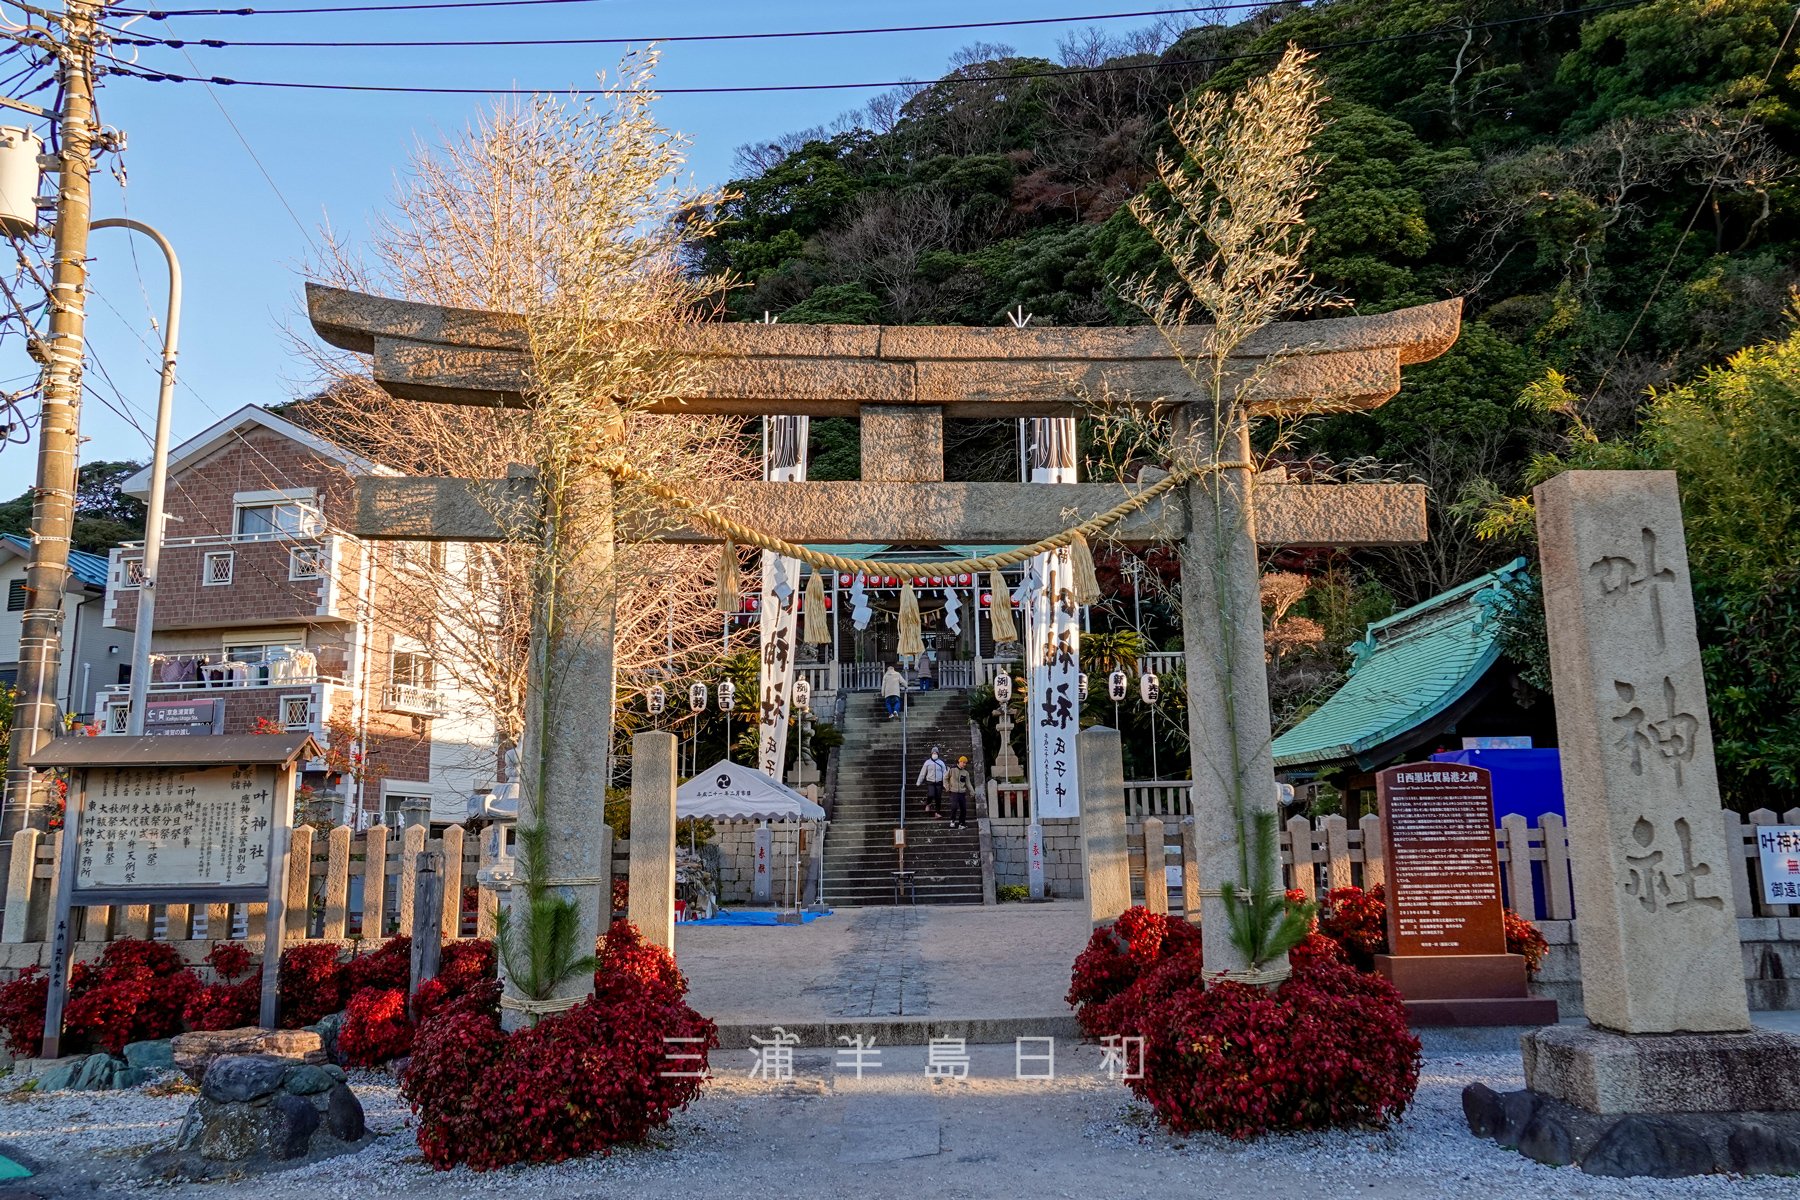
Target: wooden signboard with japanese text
x,y
1443,871
156,820
192,830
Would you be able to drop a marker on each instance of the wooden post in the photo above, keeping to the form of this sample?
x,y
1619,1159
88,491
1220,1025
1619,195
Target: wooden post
x,y
274,921
1156,884
62,943
1300,839
375,882
337,883
20,875
450,908
1374,853
487,900
1557,896
1518,864
412,845
1337,853
1190,872
1743,895
427,918
299,892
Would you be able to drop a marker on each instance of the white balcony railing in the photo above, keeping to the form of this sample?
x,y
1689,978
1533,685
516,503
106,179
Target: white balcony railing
x,y
204,672
419,701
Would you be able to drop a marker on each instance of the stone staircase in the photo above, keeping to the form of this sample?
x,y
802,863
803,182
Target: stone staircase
x,y
859,843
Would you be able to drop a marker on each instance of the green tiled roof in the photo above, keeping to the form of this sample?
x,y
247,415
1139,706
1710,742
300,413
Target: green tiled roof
x,y
1408,669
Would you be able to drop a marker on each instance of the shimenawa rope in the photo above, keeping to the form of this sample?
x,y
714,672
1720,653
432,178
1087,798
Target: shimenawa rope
x,y
750,537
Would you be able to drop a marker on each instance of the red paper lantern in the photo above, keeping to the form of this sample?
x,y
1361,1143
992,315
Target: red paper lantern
x,y
844,580
937,581
987,598
965,579
893,581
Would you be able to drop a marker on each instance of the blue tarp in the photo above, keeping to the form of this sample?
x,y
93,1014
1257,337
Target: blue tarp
x,y
1527,782
760,917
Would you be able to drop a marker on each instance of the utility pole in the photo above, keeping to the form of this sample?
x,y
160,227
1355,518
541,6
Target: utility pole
x,y
63,355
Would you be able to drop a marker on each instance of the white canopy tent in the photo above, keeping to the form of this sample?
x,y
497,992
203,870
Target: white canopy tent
x,y
728,791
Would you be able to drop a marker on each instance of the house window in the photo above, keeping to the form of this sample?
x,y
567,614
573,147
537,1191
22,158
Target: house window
x,y
306,562
118,718
218,569
133,572
15,595
412,669
296,712
290,518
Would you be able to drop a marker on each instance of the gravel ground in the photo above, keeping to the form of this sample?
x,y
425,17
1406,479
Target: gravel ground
x,y
892,1133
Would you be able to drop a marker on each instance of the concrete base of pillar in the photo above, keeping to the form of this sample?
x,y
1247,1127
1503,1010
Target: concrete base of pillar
x,y
1607,1072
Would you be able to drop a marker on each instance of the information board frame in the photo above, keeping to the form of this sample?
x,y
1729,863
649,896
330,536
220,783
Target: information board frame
x,y
1457,847
284,756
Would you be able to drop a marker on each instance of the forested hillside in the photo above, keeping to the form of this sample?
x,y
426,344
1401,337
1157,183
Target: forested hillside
x,y
1610,189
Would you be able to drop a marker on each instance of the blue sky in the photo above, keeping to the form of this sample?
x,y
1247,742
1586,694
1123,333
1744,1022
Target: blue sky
x,y
332,156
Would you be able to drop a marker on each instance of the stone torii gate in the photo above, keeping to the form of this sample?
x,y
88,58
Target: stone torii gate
x,y
902,382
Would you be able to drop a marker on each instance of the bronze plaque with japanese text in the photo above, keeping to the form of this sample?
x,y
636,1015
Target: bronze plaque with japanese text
x,y
1443,872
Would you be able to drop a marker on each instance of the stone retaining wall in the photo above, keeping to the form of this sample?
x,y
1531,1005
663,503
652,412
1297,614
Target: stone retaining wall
x,y
736,841
1771,952
1063,872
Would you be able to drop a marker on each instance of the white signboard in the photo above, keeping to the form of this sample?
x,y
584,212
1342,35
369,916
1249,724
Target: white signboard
x,y
176,827
1779,846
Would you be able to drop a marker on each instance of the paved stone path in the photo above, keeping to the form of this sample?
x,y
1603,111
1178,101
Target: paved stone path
x,y
1008,960
883,974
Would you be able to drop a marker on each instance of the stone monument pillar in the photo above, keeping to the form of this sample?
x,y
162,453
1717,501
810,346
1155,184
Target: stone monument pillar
x,y
1652,889
1105,855
1662,971
651,905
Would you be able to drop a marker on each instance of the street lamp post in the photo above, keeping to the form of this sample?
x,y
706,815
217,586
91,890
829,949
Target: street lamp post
x,y
159,479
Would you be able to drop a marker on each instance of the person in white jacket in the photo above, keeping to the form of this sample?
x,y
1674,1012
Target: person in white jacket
x,y
893,684
931,774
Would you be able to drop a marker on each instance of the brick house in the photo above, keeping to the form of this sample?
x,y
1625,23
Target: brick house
x,y
269,612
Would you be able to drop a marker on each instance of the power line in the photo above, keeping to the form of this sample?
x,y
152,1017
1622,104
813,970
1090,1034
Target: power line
x,y
123,68
217,43
164,14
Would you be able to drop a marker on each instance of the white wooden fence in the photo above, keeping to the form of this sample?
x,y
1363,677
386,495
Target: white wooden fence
x,y
1535,870
341,884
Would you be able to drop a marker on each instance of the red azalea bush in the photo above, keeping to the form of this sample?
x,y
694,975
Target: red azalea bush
x,y
1522,937
231,1003
311,984
376,1028
137,992
1357,921
22,1001
387,966
1328,1048
577,1082
1117,955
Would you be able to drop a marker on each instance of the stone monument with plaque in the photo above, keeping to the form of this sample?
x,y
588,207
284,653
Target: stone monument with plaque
x,y
1446,933
1669,1077
159,820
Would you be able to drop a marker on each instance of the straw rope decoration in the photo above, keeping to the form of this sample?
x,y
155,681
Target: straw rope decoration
x,y
735,532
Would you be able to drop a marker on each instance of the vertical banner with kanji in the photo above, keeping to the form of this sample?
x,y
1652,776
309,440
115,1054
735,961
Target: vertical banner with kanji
x,y
784,461
1052,638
